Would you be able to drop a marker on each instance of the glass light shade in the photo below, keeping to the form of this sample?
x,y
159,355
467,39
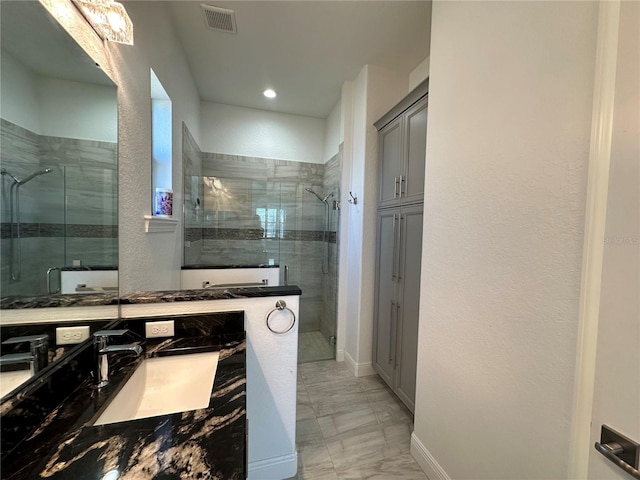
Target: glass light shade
x,y
109,19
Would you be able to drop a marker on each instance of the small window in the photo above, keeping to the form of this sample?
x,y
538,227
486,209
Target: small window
x,y
272,221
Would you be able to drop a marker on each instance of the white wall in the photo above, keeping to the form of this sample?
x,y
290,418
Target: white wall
x,y
375,91
19,94
250,132
146,261
511,86
419,74
333,133
54,107
78,110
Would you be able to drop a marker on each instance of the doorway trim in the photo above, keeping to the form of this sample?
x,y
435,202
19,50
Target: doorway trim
x,y
594,233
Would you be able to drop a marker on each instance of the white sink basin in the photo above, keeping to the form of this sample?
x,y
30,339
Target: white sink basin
x,y
164,385
12,380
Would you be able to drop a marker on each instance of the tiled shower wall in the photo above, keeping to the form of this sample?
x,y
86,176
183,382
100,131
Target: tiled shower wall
x,y
68,214
222,228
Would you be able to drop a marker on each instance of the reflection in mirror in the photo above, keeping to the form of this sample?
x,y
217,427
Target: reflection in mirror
x,y
58,190
59,160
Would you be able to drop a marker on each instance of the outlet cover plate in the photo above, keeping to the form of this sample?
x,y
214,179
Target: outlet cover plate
x,y
72,335
162,328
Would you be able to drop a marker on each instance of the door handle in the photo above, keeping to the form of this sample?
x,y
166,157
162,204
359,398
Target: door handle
x,y
619,450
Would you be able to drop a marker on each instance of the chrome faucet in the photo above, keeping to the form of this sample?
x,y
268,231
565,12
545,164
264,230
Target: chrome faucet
x,y
103,350
37,357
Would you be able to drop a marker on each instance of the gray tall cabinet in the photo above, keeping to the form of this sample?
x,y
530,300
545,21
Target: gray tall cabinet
x,y
402,141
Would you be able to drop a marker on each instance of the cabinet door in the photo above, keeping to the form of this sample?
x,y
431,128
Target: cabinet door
x,y
412,180
390,155
410,242
385,308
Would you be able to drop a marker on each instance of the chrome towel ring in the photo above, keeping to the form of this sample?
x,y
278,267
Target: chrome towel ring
x,y
281,305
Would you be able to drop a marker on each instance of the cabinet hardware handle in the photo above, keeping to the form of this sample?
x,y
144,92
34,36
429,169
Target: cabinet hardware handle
x,y
393,266
395,357
402,182
396,188
400,236
391,329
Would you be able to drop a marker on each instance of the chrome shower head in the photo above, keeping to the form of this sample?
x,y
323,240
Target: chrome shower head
x,y
33,175
310,190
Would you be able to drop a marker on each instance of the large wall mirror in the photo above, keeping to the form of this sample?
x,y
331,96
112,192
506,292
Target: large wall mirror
x,y
59,184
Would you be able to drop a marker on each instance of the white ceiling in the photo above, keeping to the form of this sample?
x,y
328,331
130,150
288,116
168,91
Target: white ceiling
x,y
304,50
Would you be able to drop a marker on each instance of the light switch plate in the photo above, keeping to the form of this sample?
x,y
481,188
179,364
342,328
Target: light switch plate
x,y
72,335
162,328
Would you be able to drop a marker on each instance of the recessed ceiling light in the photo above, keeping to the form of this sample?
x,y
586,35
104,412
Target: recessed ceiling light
x,y
269,93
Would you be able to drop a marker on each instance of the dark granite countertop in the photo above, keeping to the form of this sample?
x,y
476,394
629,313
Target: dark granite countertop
x,y
214,267
89,300
208,294
209,443
89,268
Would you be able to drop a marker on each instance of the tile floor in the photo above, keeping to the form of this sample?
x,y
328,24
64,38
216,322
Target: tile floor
x,y
351,428
312,346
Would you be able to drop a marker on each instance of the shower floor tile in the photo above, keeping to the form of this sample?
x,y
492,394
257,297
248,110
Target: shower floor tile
x,y
312,346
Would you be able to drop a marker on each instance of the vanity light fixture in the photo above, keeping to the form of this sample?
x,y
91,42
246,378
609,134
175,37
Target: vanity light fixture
x,y
108,18
269,93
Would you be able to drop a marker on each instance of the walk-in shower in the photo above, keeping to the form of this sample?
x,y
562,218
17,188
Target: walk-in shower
x,y
15,250
325,228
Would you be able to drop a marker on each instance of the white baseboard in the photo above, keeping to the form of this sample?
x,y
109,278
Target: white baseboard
x,y
275,468
340,355
358,369
428,464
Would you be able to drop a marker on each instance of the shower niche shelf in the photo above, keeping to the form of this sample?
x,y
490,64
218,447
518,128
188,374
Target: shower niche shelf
x,y
156,224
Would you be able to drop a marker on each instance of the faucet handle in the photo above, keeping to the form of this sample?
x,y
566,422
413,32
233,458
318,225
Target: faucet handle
x,y
110,333
38,349
35,340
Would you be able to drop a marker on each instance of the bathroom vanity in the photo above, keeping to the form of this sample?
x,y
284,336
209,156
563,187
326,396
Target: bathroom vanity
x,y
63,441
56,426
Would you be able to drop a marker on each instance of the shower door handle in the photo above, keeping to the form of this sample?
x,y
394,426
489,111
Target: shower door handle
x,y
52,269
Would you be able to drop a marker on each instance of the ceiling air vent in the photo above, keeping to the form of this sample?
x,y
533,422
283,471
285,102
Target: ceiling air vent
x,y
221,19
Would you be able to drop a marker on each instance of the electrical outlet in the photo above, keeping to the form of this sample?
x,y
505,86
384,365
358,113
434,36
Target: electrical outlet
x,y
159,329
71,335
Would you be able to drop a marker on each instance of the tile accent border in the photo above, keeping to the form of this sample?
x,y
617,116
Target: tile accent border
x,y
427,462
72,230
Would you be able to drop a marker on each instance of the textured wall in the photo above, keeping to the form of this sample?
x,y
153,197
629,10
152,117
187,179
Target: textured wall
x,y
511,87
